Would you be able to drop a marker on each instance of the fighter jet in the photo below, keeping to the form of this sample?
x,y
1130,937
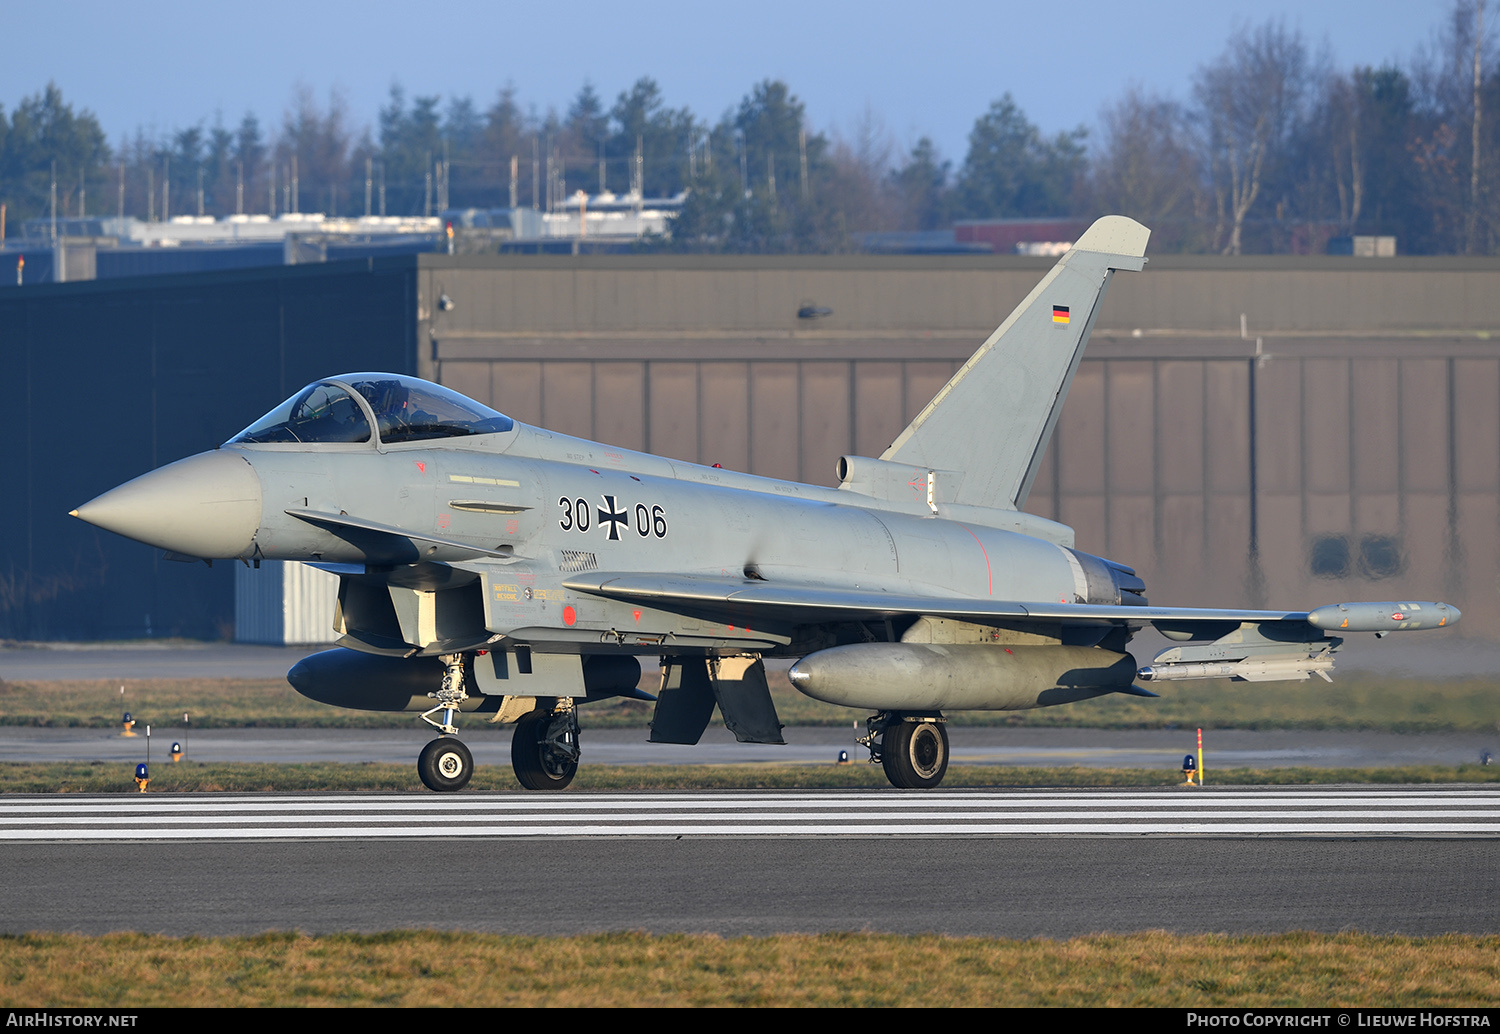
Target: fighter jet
x,y
509,573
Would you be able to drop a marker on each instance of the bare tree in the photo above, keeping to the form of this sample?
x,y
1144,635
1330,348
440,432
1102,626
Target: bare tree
x,y
1475,121
1343,113
1145,166
1454,144
313,149
859,175
1248,101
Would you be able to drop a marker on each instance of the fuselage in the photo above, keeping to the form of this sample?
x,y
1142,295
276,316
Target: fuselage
x,y
560,505
537,507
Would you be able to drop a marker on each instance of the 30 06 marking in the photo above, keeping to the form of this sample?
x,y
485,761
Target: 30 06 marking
x,y
578,515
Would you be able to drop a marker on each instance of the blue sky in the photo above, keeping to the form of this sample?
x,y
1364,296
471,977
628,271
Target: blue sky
x,y
930,68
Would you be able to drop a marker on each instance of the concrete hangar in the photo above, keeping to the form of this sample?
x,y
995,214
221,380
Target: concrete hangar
x,y
1276,431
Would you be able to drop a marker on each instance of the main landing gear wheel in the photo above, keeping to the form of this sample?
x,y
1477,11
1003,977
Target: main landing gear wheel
x,y
445,765
544,750
914,754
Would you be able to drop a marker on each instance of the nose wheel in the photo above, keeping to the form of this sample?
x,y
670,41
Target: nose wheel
x,y
445,765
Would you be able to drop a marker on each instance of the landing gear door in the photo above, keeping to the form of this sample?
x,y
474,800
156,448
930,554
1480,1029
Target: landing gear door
x,y
519,672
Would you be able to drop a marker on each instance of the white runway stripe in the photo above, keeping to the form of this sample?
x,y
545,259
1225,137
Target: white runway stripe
x,y
882,800
1171,812
746,829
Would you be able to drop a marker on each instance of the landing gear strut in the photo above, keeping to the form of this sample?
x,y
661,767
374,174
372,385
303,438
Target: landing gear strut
x,y
445,764
913,749
544,747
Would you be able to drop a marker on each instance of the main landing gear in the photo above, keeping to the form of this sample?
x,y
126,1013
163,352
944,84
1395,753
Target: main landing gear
x,y
912,748
544,749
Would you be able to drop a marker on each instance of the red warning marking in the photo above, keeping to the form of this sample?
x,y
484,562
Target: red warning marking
x,y
1398,616
570,616
637,614
989,575
422,466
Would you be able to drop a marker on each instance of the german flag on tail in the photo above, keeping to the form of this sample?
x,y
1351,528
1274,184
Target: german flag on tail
x,y
1059,314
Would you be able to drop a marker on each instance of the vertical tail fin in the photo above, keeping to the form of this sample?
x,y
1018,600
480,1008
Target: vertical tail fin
x,y
993,420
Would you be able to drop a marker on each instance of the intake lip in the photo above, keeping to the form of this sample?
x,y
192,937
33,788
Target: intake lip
x,y
208,506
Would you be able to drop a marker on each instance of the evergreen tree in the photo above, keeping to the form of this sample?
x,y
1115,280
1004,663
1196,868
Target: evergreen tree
x,y
664,136
1010,171
43,130
921,187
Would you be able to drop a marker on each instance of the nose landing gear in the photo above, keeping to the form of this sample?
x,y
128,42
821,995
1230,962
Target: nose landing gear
x,y
544,749
445,764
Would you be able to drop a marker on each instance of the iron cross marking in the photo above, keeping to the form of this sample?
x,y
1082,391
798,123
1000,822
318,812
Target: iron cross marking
x,y
615,518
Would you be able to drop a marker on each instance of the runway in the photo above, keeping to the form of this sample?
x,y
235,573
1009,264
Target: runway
x,y
1404,812
1040,863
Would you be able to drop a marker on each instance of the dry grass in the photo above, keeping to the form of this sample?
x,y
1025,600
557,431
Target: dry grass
x,y
635,969
1352,702
219,704
249,777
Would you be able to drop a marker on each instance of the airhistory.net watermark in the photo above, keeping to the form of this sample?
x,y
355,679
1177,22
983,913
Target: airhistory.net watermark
x,y
48,1018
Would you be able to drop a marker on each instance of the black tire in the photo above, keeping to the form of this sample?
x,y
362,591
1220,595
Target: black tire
x,y
535,768
445,765
914,754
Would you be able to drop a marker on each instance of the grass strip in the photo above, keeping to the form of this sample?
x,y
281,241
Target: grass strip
x,y
423,968
1354,702
249,777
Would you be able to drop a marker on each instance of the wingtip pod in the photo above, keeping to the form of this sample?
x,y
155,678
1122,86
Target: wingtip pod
x,y
1115,235
1383,617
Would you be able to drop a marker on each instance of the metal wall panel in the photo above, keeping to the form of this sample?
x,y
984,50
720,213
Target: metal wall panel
x,y
672,401
619,417
284,604
827,421
111,378
310,599
568,398
775,420
878,417
724,412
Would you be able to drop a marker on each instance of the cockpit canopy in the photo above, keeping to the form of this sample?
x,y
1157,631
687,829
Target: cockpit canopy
x,y
401,409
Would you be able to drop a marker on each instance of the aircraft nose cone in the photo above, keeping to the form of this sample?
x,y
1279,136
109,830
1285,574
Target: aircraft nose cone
x,y
206,506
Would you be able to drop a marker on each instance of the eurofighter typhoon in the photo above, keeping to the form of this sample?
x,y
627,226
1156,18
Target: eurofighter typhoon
x,y
492,569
